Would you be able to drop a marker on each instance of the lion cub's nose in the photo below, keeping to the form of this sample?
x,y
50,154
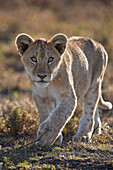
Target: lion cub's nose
x,y
42,76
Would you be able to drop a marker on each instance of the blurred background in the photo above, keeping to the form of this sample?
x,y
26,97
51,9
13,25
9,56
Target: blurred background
x,y
44,18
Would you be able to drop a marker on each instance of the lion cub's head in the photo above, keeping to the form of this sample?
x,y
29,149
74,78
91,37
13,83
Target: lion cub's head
x,y
41,58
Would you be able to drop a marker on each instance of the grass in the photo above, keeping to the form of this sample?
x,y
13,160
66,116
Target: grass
x,y
59,157
98,153
19,118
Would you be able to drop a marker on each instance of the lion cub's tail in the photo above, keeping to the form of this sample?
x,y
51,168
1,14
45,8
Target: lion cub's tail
x,y
104,105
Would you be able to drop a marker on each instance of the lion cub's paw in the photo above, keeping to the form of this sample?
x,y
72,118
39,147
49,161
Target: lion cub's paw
x,y
58,141
81,139
45,135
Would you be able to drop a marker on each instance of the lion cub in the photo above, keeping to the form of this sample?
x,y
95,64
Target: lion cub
x,y
63,72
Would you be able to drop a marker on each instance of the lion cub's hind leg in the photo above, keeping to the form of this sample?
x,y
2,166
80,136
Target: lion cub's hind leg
x,y
97,125
90,118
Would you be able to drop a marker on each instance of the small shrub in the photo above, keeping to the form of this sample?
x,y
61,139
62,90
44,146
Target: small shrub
x,y
15,121
16,118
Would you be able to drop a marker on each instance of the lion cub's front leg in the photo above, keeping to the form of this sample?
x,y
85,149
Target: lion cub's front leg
x,y
45,108
51,128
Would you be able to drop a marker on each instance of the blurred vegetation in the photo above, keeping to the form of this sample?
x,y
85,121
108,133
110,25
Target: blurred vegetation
x,y
44,18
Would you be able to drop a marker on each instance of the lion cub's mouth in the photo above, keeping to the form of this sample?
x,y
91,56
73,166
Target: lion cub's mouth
x,y
41,83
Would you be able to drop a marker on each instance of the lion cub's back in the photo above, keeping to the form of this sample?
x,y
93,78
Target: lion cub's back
x,y
93,51
89,61
89,46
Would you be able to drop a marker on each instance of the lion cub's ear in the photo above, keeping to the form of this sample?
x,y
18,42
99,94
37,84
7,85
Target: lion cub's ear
x,y
22,42
59,41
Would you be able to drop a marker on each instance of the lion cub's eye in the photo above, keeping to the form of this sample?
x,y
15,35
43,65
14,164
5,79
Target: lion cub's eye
x,y
34,59
50,60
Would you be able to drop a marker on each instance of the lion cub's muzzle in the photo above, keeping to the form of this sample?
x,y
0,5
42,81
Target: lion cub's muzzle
x,y
42,76
42,80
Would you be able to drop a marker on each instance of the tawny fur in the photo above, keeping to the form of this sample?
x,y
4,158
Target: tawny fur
x,y
74,75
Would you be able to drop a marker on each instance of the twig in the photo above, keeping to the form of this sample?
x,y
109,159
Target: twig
x,y
12,150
